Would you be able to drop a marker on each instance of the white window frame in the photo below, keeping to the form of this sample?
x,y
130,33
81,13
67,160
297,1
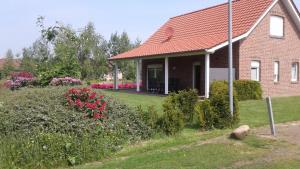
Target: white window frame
x,y
295,77
276,71
255,65
276,26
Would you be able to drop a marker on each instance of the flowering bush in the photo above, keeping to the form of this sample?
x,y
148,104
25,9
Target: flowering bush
x,y
110,86
19,79
66,81
88,102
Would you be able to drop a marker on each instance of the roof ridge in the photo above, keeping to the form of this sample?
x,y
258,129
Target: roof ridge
x,y
200,10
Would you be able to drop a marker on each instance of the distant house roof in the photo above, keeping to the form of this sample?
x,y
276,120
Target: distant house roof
x,y
202,30
16,62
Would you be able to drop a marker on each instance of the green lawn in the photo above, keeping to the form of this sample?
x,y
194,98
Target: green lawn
x,y
253,113
194,149
134,100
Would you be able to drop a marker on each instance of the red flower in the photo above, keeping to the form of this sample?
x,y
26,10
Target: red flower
x,y
92,106
93,95
101,109
97,116
79,103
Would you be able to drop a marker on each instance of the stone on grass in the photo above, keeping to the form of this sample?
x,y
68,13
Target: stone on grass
x,y
241,132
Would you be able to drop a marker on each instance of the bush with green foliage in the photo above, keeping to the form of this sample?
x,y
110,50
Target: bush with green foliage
x,y
248,89
185,101
172,120
215,112
206,116
149,116
54,134
219,101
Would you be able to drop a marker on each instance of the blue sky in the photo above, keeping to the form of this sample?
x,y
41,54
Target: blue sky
x,y
140,18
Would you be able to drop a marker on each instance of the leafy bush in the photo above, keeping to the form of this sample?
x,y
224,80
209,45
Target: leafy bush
x,y
59,70
219,102
87,102
205,114
20,79
248,90
54,134
185,101
172,120
66,81
149,116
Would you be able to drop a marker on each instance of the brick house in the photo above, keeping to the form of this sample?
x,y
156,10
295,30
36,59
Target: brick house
x,y
191,50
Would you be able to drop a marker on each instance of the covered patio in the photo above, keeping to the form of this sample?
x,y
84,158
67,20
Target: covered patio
x,y
162,75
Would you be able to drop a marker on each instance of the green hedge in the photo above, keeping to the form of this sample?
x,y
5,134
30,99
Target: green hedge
x,y
54,135
248,90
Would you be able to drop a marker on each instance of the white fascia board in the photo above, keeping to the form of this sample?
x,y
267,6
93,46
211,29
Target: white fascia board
x,y
293,12
212,50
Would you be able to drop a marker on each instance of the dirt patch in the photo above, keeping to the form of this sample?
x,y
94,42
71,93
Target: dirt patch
x,y
289,132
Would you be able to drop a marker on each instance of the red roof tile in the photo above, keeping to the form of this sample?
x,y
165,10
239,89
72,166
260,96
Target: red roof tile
x,y
200,30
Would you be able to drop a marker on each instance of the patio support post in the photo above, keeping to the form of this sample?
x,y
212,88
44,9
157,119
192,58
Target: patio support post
x,y
166,75
207,73
138,74
116,78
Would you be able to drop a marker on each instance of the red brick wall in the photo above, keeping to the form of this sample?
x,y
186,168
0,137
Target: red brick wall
x,y
260,46
220,58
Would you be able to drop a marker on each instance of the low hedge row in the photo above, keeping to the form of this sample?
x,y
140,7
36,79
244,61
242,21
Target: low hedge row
x,y
54,134
248,90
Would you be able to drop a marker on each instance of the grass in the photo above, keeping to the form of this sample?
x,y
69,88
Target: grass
x,y
189,150
253,112
196,154
135,100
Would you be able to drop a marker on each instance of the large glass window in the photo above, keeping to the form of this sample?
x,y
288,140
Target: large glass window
x,y
276,26
255,70
155,77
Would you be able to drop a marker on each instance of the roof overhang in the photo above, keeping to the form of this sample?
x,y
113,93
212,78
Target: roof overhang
x,y
169,55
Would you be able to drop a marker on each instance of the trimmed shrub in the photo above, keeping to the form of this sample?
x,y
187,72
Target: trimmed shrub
x,y
205,114
248,89
185,101
172,120
54,134
219,102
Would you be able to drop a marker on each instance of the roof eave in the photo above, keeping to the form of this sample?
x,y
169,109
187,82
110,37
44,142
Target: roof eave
x,y
158,56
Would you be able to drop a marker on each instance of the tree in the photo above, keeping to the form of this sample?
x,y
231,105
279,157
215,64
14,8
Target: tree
x,y
119,44
8,65
92,53
64,61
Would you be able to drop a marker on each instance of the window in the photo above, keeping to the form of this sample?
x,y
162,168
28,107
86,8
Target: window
x,y
295,69
276,71
255,70
276,26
